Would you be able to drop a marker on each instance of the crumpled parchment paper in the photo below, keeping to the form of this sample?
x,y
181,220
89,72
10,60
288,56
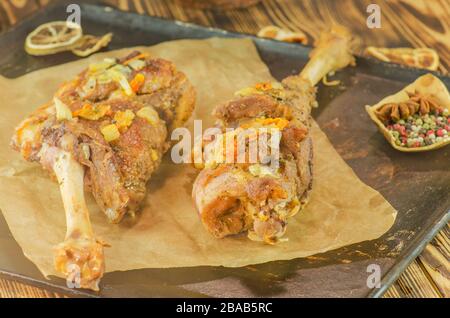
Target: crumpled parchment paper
x,y
167,232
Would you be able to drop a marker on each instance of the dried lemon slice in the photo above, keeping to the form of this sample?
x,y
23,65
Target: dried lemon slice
x,y
90,44
276,33
53,37
421,57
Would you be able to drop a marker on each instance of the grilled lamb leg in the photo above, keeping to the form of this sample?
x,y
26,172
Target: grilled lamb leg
x,y
255,197
105,132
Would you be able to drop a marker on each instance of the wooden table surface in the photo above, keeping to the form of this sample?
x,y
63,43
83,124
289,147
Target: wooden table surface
x,y
415,23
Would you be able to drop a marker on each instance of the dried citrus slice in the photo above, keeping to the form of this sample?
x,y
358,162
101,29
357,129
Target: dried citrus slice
x,y
421,57
276,33
53,37
90,44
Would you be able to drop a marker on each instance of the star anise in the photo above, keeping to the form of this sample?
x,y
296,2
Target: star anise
x,y
417,103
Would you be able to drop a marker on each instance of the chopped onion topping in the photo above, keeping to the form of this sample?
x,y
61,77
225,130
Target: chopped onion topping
x,y
260,170
124,119
62,110
110,132
149,114
137,64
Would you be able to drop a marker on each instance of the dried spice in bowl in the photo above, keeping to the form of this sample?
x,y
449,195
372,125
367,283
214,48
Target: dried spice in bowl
x,y
417,122
417,117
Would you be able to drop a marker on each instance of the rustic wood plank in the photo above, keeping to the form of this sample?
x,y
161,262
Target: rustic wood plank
x,y
404,23
414,283
13,289
17,10
311,17
435,261
3,19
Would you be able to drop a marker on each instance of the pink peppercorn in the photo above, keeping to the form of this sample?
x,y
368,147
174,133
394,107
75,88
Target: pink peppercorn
x,y
448,120
416,144
430,132
440,132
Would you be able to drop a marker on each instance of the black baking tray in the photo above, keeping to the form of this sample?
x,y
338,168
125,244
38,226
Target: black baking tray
x,y
417,185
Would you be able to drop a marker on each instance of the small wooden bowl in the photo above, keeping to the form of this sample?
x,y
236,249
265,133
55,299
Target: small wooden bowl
x,y
217,4
425,84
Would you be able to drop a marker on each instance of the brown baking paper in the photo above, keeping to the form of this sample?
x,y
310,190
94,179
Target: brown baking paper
x,y
168,232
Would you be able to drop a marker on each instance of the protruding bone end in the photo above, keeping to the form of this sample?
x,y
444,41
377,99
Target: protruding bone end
x,y
333,52
81,261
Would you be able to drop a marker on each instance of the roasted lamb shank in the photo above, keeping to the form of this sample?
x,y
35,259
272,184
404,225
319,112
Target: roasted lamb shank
x,y
105,132
258,198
